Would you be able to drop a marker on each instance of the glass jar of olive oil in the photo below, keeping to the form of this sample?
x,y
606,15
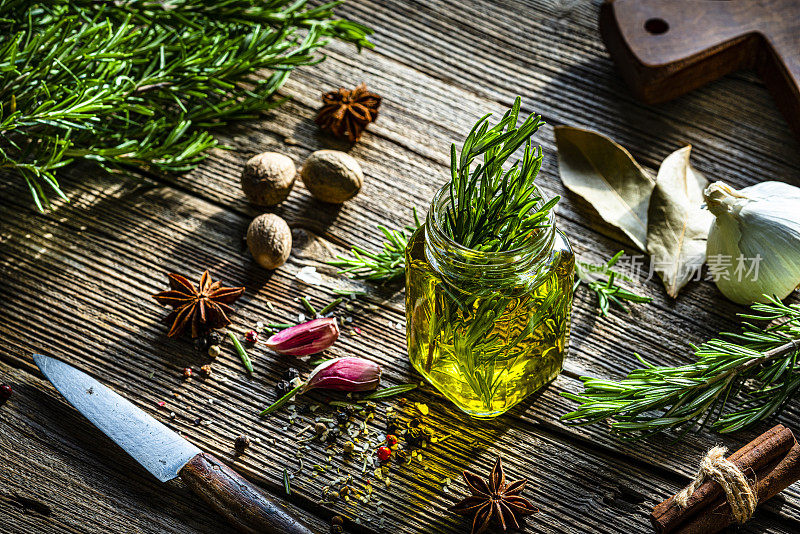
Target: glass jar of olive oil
x,y
487,328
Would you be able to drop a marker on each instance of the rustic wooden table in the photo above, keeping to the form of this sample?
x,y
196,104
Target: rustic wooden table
x,y
77,283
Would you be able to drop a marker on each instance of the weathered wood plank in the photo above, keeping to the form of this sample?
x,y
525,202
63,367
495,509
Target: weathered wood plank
x,y
107,326
59,474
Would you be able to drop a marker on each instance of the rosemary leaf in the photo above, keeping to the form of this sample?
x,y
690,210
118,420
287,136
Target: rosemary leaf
x,y
242,353
280,402
608,291
391,391
286,486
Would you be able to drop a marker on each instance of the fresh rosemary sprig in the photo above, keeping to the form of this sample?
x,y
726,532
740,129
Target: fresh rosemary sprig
x,y
758,367
491,209
608,291
385,266
140,83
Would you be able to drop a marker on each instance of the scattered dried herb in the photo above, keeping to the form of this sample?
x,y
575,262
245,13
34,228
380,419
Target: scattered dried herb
x,y
242,353
287,488
346,113
494,500
201,307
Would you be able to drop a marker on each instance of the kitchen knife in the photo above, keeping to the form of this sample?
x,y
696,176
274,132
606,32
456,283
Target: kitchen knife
x,y
167,455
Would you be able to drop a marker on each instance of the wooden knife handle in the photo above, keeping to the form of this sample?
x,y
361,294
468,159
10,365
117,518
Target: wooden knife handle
x,y
237,499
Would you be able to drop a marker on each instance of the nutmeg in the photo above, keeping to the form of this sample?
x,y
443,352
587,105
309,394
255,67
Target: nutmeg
x,y
332,176
269,240
268,178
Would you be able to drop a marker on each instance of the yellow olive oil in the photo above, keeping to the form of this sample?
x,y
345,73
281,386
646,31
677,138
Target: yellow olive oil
x,y
488,345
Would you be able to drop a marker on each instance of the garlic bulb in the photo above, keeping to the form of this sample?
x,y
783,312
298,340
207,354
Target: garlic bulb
x,y
754,243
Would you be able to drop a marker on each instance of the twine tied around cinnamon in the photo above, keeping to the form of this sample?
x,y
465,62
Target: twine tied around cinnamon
x,y
737,490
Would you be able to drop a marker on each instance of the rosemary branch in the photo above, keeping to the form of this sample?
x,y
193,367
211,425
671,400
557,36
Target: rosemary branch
x,y
757,367
141,83
608,291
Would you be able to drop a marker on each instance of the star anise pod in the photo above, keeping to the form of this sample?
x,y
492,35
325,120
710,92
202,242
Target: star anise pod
x,y
202,307
346,113
494,499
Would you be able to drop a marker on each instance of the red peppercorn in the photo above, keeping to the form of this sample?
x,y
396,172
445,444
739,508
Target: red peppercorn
x,y
187,372
251,336
384,453
5,392
391,440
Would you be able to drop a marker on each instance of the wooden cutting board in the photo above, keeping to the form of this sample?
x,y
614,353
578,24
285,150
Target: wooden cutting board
x,y
665,48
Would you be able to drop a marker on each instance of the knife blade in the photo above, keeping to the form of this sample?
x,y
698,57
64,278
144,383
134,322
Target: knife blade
x,y
167,455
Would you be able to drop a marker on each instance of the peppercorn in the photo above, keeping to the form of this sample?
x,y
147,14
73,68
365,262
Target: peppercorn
x,y
251,336
391,424
290,374
320,429
206,371
283,387
391,440
214,351
206,341
241,443
187,372
402,401
344,491
5,393
333,433
384,453
342,417
348,447
414,423
337,520
414,437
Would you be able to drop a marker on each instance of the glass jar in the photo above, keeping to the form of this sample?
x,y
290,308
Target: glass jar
x,y
487,328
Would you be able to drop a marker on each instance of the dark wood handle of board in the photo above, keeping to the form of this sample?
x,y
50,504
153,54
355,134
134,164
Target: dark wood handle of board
x,y
237,499
665,48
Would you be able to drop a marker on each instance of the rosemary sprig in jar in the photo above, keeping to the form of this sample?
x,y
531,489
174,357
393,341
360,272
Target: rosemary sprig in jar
x,y
389,265
758,367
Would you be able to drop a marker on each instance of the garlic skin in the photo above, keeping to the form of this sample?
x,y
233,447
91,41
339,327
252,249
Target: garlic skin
x,y
763,221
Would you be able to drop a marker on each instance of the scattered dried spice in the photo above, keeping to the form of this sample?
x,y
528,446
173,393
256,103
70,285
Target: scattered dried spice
x,y
345,113
241,443
187,372
494,500
203,307
206,371
5,393
251,336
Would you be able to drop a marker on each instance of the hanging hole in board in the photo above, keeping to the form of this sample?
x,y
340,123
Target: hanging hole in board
x,y
656,26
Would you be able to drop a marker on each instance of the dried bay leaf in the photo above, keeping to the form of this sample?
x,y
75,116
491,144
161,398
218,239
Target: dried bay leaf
x,y
677,223
606,175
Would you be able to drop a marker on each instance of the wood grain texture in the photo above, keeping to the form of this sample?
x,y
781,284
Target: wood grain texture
x,y
249,510
666,48
77,283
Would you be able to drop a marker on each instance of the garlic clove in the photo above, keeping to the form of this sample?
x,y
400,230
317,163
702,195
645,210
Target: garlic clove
x,y
754,240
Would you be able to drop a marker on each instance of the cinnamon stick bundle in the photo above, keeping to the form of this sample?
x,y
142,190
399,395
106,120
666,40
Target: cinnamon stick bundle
x,y
771,463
